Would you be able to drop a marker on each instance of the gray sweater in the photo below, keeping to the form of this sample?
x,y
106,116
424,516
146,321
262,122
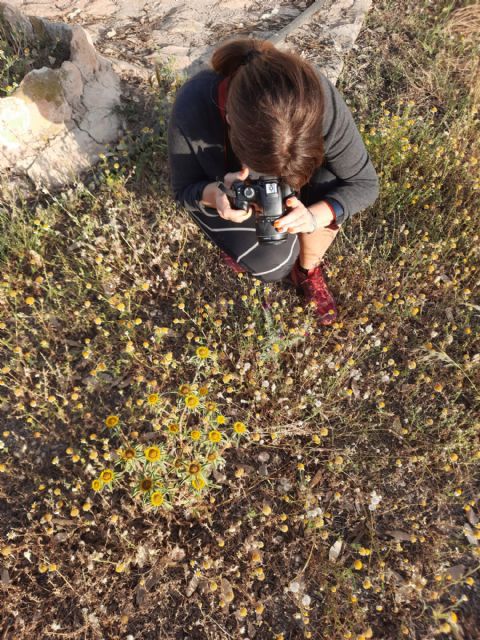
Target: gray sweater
x,y
196,140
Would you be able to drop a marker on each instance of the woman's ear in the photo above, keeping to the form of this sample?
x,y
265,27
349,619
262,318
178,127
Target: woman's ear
x,y
227,118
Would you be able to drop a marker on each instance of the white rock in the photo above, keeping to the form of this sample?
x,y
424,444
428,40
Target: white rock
x,y
100,8
58,120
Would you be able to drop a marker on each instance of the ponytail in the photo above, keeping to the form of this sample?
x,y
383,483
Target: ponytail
x,y
233,54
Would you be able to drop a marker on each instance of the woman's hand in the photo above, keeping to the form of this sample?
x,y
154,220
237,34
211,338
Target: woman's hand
x,y
300,220
223,204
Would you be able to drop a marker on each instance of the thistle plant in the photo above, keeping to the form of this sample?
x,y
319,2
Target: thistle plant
x,y
174,463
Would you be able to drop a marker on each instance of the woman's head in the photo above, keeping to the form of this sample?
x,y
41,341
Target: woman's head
x,y
275,109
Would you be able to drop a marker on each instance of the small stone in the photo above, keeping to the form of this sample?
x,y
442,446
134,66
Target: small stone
x,y
294,587
289,12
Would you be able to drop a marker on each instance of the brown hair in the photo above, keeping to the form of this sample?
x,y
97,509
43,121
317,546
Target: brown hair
x,y
275,106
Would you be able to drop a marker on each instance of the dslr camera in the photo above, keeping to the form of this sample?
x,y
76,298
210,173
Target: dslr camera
x,y
267,196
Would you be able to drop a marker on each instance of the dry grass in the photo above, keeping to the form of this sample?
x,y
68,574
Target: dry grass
x,y
465,24
349,509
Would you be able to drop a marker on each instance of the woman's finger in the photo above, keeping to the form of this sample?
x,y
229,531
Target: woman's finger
x,y
234,215
295,224
240,215
290,220
292,201
304,227
231,177
222,205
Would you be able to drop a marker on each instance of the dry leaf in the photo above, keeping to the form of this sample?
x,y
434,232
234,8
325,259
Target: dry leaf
x,y
177,554
472,517
316,478
398,534
140,595
456,572
334,551
192,585
227,591
355,388
470,535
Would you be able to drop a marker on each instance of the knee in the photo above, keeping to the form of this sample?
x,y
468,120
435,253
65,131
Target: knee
x,y
272,263
276,274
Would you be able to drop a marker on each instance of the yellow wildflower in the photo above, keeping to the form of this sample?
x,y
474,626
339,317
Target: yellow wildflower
x,y
192,401
198,483
153,398
153,454
97,484
195,435
157,498
239,427
128,454
112,421
203,352
107,476
185,389
214,435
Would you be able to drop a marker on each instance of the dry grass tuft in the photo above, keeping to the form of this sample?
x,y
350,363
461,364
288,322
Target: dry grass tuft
x,y
465,24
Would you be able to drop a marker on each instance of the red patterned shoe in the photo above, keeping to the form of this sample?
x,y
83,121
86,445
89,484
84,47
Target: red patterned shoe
x,y
314,288
230,262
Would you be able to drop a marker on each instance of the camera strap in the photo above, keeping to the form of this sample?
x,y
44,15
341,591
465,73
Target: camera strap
x,y
222,97
230,159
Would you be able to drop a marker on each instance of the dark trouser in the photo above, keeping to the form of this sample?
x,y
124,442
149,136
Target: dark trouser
x,y
239,240
266,262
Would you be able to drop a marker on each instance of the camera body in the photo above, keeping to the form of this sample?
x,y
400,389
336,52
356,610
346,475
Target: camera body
x,y
267,196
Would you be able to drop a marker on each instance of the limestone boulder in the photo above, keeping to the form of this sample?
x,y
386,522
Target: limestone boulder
x,y
58,120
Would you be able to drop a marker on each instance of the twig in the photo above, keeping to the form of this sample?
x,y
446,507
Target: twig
x,y
219,626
